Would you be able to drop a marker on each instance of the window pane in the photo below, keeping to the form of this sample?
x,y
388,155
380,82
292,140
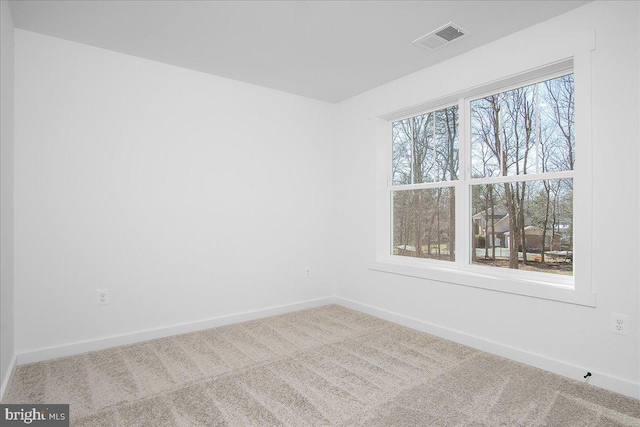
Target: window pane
x,y
424,167
524,225
446,136
525,130
401,161
424,223
425,148
557,135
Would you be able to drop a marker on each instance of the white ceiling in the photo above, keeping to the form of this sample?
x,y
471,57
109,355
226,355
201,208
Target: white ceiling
x,y
328,50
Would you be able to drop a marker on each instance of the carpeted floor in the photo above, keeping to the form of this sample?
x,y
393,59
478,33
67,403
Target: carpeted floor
x,y
324,366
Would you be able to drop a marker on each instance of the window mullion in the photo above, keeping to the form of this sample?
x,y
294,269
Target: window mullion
x,y
463,211
523,178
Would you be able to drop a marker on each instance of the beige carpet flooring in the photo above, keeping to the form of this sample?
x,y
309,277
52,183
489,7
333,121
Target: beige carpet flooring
x,y
328,366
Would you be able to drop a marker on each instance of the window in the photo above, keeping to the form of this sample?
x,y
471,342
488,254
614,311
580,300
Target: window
x,y
527,133
424,160
479,188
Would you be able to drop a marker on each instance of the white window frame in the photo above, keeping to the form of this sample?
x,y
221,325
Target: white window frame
x,y
576,289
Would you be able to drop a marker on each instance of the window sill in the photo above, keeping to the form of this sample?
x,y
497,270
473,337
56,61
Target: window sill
x,y
525,287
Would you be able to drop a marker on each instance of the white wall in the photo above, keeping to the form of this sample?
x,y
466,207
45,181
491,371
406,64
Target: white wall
x,y
568,339
187,195
191,197
6,195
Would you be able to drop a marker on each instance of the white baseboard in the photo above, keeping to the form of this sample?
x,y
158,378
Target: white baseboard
x,y
9,376
135,337
598,379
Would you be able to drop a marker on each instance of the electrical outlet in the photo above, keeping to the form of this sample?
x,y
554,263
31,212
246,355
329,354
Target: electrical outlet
x,y
620,324
307,272
102,296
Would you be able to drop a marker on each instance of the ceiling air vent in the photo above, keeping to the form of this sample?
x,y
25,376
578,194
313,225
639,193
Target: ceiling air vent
x,y
441,36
